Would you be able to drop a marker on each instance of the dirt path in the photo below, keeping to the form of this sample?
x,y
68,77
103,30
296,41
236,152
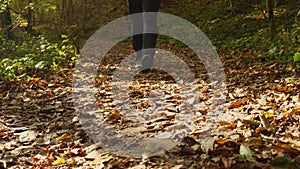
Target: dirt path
x,y
259,127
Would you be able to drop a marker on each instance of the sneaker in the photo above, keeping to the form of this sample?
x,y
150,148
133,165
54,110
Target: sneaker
x,y
146,70
147,62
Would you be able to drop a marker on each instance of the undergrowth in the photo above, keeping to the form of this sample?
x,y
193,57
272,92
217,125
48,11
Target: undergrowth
x,y
34,56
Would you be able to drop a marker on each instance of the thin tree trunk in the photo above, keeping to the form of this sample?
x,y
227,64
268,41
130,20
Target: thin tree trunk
x,y
6,22
84,15
69,11
270,11
58,10
30,14
63,10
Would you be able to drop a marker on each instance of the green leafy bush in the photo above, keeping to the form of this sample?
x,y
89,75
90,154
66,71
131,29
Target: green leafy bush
x,y
35,56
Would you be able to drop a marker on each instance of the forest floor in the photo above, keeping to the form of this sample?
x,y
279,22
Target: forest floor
x,y
259,128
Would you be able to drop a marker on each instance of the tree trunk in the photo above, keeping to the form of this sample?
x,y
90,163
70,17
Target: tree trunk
x,y
6,22
63,10
69,12
30,19
270,11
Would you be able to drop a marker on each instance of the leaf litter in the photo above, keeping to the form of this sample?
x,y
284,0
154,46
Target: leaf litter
x,y
258,129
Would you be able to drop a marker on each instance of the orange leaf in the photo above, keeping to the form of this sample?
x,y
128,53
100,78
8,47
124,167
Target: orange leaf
x,y
296,110
222,141
34,80
260,129
2,134
235,104
231,126
238,103
63,137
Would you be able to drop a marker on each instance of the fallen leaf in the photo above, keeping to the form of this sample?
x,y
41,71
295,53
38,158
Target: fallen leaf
x,y
238,103
141,166
177,167
59,161
101,160
208,144
231,126
93,155
247,153
27,136
222,141
253,141
264,121
63,137
227,162
283,162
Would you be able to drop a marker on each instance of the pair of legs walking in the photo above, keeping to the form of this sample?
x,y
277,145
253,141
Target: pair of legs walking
x,y
141,24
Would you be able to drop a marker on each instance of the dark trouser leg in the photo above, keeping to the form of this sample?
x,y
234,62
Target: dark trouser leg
x,y
142,24
150,25
136,6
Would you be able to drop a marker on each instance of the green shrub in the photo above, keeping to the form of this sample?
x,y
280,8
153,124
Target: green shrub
x,y
34,57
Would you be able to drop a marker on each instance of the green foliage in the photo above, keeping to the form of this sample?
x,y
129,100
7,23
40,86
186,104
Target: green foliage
x,y
241,27
281,48
297,57
35,56
283,163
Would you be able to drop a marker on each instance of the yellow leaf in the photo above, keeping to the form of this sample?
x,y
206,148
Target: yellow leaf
x,y
59,161
289,68
269,114
63,137
102,111
107,100
24,24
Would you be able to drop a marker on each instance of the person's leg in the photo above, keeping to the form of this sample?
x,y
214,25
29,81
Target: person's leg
x,y
149,25
135,6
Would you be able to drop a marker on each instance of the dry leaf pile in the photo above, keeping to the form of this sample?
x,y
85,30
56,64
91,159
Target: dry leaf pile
x,y
259,126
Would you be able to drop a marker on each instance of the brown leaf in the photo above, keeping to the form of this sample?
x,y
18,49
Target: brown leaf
x,y
231,126
34,81
258,130
285,148
227,162
76,151
264,121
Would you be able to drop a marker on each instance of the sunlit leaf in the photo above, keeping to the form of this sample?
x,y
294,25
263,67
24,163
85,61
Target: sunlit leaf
x,y
269,114
238,103
63,137
59,161
297,57
24,24
247,153
40,65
